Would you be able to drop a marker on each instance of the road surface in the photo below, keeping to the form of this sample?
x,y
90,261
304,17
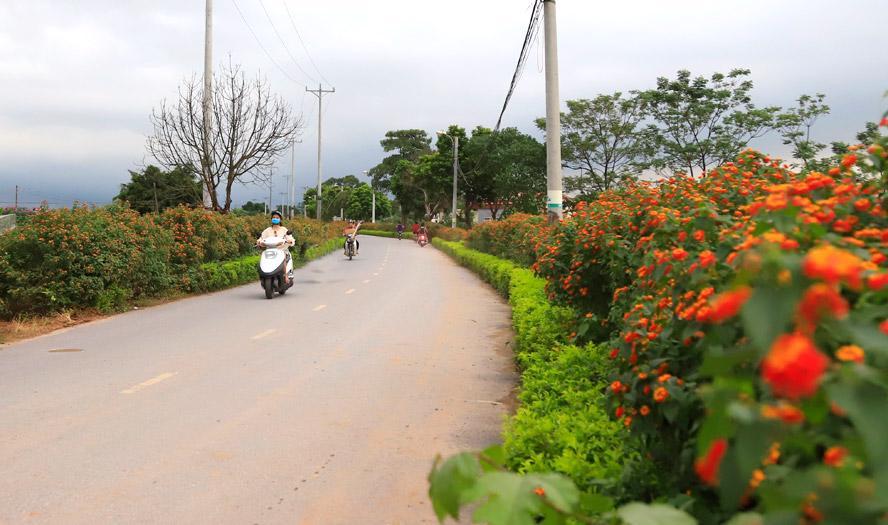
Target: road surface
x,y
324,406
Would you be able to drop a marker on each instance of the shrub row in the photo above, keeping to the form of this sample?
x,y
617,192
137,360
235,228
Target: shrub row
x,y
385,233
560,424
101,258
516,237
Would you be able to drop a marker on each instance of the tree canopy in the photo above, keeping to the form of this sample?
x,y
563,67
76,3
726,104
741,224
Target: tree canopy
x,y
154,190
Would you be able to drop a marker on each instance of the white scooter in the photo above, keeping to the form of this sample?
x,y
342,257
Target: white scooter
x,y
274,264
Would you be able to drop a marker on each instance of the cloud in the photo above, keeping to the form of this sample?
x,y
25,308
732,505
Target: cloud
x,y
79,79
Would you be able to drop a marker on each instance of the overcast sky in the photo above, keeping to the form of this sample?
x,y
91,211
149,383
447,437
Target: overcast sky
x,y
78,78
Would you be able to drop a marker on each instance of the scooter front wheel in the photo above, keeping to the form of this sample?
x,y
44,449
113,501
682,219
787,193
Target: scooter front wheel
x,y
268,285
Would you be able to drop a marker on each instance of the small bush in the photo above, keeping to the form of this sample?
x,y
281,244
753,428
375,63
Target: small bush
x,y
515,238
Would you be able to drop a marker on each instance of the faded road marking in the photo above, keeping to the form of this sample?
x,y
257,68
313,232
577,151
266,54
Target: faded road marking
x,y
318,308
264,334
152,381
366,281
374,273
350,291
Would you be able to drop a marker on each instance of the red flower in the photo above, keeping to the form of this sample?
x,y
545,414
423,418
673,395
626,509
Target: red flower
x,y
835,456
727,305
883,326
679,254
877,281
661,395
794,366
707,466
849,160
707,258
820,299
784,412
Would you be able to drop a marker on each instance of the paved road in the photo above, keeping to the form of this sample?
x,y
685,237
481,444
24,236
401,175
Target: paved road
x,y
323,406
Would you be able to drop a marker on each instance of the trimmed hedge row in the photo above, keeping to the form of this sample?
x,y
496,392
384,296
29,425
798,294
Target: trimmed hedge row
x,y
387,234
560,424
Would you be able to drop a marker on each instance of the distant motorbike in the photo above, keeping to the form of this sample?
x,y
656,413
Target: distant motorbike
x,y
350,248
400,235
275,265
422,239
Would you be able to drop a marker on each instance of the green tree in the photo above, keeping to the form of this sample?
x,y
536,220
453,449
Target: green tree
x,y
398,172
795,127
703,122
154,190
360,204
253,208
603,140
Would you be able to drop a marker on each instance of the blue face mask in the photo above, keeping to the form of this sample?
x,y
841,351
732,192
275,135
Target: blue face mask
x,y
275,220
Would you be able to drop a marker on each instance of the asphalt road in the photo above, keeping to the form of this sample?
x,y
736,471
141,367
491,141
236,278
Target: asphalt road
x,y
323,406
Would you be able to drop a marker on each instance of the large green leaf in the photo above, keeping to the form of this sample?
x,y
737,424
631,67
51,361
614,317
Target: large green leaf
x,y
747,518
512,499
656,514
451,483
766,315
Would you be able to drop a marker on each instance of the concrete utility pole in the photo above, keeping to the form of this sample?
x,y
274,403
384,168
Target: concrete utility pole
x,y
373,200
270,183
208,100
291,198
554,195
455,140
320,92
16,198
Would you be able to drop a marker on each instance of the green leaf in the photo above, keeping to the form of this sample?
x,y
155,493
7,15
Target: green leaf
x,y
595,503
493,457
512,500
866,404
451,483
747,518
767,314
656,514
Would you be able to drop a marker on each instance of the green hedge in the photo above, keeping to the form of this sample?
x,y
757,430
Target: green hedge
x,y
560,424
387,234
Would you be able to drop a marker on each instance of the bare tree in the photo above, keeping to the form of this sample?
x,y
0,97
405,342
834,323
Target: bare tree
x,y
251,128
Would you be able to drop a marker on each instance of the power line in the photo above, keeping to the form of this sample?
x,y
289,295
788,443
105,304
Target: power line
x,y
529,37
273,61
302,42
281,39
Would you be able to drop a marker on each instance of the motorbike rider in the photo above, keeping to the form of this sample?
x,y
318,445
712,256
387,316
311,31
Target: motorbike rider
x,y
277,230
415,230
400,229
351,229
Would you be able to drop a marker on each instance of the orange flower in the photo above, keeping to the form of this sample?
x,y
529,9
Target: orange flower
x,y
645,410
707,466
617,387
699,235
679,254
850,353
877,281
784,412
835,456
539,491
707,258
794,366
833,265
776,201
849,160
819,300
661,394
728,304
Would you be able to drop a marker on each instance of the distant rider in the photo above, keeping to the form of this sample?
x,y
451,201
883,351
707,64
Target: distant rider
x,y
415,230
400,229
277,230
351,229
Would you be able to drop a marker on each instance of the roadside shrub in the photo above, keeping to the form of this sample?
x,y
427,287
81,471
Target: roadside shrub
x,y
82,257
445,232
515,238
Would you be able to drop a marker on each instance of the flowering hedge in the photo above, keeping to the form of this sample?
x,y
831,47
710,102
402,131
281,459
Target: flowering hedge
x,y
101,258
516,237
748,320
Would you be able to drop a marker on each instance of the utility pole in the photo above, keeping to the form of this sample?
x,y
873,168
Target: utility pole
x,y
455,168
270,182
320,92
16,198
291,198
554,195
156,206
207,101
